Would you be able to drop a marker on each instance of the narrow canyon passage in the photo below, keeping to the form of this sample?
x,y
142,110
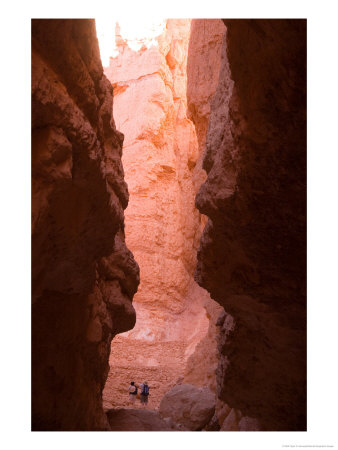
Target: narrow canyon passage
x,y
162,161
169,224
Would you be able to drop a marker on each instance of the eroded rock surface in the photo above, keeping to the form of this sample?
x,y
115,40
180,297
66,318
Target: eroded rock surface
x,y
83,276
200,368
203,66
252,257
189,406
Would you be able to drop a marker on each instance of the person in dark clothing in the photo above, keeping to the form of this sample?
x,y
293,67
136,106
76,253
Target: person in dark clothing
x,y
132,392
144,394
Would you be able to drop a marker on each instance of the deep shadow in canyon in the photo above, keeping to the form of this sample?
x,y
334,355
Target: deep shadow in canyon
x,y
83,276
252,257
252,253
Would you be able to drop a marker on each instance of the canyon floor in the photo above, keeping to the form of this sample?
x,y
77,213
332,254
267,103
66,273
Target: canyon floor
x,y
158,363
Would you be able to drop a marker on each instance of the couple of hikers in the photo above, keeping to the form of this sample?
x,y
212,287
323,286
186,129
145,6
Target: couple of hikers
x,y
144,392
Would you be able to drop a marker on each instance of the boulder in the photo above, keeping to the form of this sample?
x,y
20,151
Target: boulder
x,y
213,425
189,406
248,424
231,422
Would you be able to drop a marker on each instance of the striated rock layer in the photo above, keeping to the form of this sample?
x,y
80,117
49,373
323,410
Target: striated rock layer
x,y
252,257
83,276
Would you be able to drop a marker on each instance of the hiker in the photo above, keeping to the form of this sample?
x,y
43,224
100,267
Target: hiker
x,y
132,392
144,394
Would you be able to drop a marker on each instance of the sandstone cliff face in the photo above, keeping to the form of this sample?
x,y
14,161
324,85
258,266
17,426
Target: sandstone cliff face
x,y
252,257
83,275
203,66
161,158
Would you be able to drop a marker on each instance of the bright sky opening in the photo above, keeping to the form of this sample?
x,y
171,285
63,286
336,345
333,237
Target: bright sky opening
x,y
136,32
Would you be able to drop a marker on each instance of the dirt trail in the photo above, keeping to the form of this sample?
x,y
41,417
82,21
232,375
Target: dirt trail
x,y
159,363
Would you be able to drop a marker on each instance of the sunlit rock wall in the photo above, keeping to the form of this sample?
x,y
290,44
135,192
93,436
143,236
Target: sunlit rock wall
x,y
203,66
83,275
252,257
159,156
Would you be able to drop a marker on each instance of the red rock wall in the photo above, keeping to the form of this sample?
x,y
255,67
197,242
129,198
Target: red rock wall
x,y
203,66
252,257
83,276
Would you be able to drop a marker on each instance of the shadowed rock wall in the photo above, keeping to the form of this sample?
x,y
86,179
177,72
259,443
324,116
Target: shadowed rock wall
x,y
203,66
252,257
83,276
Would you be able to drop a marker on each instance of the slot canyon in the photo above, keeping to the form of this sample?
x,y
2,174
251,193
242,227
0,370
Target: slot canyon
x,y
169,225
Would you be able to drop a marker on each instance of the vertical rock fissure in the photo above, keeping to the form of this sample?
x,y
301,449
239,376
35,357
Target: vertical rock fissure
x,y
163,169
